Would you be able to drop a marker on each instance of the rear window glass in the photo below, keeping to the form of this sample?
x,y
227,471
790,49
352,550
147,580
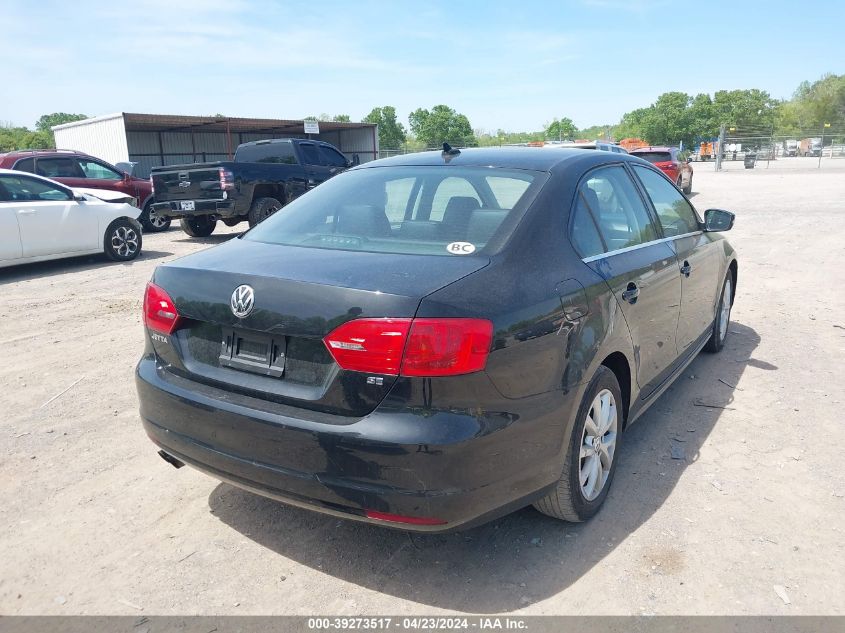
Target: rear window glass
x,y
408,210
266,153
654,157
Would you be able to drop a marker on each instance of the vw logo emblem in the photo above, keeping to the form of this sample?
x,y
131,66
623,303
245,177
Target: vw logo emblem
x,y
242,301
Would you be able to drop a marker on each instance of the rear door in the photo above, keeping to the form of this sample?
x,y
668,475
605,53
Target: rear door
x,y
50,221
640,268
316,171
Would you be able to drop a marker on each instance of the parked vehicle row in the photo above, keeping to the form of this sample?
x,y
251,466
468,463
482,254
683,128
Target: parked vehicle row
x,y
672,162
432,340
41,219
77,169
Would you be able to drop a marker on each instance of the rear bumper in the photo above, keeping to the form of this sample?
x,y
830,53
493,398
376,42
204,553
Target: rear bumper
x,y
219,208
458,468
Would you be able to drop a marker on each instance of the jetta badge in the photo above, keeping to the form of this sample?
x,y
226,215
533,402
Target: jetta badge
x,y
242,301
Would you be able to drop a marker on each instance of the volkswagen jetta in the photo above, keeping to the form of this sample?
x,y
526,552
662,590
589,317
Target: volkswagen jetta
x,y
432,340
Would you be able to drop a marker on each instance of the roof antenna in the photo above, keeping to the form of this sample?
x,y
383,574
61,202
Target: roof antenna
x,y
449,152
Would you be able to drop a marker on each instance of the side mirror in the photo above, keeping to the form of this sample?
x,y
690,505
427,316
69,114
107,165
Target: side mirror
x,y
718,220
78,197
356,160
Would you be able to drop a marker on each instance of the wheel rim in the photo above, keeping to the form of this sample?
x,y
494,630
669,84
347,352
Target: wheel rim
x,y
725,312
268,212
156,220
124,241
598,445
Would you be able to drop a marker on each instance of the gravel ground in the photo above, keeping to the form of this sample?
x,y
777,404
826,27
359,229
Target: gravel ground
x,y
750,521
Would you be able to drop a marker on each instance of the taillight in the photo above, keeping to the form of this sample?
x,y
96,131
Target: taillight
x,y
369,345
160,313
227,179
152,186
412,347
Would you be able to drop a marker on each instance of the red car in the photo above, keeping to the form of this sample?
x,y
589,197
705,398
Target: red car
x,y
671,161
77,169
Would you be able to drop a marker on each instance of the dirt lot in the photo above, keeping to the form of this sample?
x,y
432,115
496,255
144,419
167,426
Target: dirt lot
x,y
93,522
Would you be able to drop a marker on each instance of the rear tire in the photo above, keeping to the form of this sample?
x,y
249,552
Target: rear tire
x,y
122,241
578,496
152,222
688,189
261,209
232,221
198,226
719,333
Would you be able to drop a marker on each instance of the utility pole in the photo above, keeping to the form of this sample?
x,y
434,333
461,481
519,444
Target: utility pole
x,y
821,151
721,147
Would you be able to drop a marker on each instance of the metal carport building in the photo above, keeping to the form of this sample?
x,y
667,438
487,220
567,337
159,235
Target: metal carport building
x,y
151,140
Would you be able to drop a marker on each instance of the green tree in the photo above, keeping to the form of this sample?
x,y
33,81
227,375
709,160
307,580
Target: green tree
x,y
440,125
748,111
341,118
562,130
391,133
12,138
822,101
47,121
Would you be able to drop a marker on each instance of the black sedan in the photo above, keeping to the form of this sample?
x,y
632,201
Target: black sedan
x,y
432,340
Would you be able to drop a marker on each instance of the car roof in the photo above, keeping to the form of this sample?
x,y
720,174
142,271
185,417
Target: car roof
x,y
654,148
530,158
22,153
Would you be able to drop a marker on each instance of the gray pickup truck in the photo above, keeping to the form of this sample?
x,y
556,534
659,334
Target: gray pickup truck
x,y
263,177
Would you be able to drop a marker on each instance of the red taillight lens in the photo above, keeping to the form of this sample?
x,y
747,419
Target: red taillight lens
x,y
227,179
160,313
369,345
447,347
432,347
398,518
152,187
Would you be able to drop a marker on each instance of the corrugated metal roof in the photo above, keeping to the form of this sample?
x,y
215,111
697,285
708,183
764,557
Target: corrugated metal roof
x,y
138,122
170,122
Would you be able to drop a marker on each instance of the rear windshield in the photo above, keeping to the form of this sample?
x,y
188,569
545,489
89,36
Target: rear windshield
x,y
436,210
654,157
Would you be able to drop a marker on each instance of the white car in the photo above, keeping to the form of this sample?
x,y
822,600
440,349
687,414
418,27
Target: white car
x,y
42,219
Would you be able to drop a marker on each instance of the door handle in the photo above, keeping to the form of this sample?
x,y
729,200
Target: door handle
x,y
26,212
686,269
631,293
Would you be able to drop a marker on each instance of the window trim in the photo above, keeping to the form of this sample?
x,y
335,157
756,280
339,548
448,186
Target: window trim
x,y
627,249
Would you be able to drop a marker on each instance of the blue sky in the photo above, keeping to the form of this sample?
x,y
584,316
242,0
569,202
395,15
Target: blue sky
x,y
511,65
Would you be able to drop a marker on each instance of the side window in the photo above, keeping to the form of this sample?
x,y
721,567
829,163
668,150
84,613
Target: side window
x,y
310,154
585,233
58,168
331,157
100,171
23,189
27,164
452,188
619,212
676,215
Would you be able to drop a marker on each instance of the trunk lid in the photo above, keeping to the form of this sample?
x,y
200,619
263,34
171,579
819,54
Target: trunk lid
x,y
300,295
188,182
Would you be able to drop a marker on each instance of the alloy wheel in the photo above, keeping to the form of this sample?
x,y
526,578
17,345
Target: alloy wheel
x,y
598,444
725,312
124,241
